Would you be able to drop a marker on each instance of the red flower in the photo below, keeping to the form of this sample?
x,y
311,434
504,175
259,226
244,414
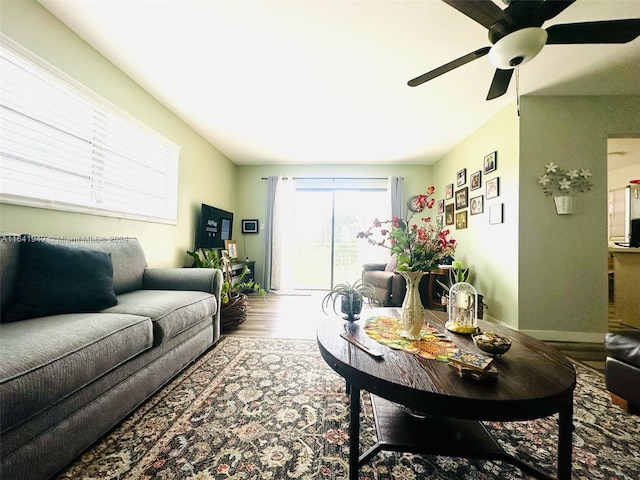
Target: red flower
x,y
418,248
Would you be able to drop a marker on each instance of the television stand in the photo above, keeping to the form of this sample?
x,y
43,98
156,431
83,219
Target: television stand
x,y
235,269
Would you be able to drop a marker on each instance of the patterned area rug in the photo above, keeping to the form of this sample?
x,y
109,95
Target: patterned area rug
x,y
272,409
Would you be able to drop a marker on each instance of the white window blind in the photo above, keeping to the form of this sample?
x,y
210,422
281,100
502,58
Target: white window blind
x,y
64,147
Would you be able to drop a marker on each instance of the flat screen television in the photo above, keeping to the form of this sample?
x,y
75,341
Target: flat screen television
x,y
215,227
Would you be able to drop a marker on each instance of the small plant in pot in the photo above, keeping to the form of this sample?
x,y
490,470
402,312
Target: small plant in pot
x,y
351,298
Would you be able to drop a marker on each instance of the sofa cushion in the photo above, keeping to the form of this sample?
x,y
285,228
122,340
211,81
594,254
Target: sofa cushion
x,y
9,256
170,311
44,360
392,264
55,278
127,257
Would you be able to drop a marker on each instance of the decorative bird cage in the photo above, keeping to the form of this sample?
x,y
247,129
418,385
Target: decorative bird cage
x,y
463,308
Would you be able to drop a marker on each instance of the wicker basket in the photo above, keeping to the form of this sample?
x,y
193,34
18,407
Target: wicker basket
x,y
234,312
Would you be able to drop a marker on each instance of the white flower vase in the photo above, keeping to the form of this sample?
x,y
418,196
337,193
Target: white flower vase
x,y
565,204
411,313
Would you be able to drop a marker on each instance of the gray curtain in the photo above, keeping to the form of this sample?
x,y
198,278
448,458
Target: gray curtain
x,y
396,190
268,237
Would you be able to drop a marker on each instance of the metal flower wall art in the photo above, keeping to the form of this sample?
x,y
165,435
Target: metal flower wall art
x,y
557,181
563,185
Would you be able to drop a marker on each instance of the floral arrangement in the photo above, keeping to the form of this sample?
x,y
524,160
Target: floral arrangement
x,y
418,249
558,182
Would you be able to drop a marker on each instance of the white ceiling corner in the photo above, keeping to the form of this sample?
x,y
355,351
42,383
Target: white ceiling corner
x,y
317,81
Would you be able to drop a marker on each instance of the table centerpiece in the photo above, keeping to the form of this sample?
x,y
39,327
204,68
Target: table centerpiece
x,y
418,249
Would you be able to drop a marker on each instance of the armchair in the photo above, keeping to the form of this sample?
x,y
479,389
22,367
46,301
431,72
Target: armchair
x,y
622,371
390,286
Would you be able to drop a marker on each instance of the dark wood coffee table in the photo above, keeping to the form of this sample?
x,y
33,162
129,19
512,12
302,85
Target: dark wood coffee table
x,y
534,381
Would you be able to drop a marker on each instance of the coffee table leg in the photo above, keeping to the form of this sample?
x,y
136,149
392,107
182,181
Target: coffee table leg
x,y
354,432
565,441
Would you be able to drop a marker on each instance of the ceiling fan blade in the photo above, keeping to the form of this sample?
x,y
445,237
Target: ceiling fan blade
x,y
458,62
500,83
485,12
547,10
607,31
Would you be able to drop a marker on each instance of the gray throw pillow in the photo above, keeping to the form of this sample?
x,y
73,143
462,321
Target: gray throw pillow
x,y
54,279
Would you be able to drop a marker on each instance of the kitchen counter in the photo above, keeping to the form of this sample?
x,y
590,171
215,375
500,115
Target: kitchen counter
x,y
626,284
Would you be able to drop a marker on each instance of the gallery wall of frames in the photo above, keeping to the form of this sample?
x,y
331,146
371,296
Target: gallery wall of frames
x,y
467,195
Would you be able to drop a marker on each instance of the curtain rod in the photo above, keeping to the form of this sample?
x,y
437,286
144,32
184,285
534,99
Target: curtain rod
x,y
333,178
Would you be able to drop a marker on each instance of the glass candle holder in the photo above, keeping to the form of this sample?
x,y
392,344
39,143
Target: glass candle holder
x,y
463,308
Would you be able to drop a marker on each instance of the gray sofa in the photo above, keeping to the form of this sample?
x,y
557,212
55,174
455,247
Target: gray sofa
x,y
88,333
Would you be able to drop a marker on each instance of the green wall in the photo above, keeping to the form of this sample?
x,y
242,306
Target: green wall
x,y
563,258
540,272
252,193
205,175
491,251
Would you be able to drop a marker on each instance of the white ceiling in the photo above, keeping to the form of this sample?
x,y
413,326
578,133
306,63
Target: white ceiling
x,y
322,81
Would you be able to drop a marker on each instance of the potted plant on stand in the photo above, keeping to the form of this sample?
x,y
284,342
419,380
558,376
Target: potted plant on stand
x,y
233,297
351,298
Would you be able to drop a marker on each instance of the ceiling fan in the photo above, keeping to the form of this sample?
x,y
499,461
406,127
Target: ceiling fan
x,y
517,36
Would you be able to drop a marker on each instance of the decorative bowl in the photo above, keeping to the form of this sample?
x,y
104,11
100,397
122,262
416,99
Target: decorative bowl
x,y
491,343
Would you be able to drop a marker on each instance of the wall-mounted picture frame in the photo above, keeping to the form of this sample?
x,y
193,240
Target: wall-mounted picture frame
x,y
477,205
231,247
448,214
476,180
250,225
461,177
493,187
449,192
461,220
440,221
440,206
462,198
495,214
490,162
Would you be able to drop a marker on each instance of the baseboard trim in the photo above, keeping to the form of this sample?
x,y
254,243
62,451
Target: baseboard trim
x,y
558,336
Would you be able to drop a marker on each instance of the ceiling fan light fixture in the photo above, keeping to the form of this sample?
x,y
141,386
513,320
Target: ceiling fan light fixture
x,y
517,48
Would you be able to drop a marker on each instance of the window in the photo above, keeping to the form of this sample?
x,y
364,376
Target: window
x,y
64,147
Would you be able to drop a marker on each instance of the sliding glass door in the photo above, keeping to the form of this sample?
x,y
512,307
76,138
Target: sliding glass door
x,y
326,250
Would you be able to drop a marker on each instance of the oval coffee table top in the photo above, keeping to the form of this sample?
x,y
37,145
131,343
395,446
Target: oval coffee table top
x,y
534,379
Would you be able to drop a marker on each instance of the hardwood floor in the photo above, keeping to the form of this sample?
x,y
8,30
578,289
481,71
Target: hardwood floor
x,y
296,315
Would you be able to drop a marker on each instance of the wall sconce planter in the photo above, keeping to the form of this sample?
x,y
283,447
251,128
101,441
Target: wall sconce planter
x,y
565,204
563,185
